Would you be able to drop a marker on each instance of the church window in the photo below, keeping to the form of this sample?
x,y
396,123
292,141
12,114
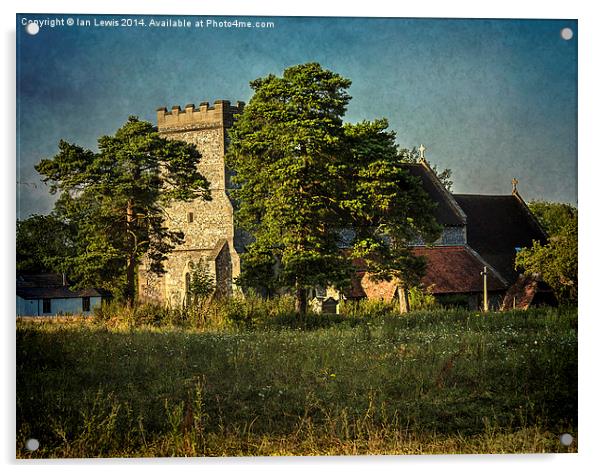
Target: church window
x,y
190,217
187,288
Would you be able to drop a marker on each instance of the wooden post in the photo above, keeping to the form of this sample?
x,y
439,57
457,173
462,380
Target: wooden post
x,y
485,301
404,302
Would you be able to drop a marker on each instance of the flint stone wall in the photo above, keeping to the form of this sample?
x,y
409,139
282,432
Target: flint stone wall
x,y
208,226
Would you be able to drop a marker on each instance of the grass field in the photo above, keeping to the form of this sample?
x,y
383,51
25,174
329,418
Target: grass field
x,y
428,382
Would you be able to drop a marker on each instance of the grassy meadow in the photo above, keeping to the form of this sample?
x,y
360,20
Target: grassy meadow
x,y
428,382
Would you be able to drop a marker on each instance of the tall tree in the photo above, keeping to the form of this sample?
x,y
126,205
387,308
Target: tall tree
x,y
43,243
116,199
387,207
284,149
307,183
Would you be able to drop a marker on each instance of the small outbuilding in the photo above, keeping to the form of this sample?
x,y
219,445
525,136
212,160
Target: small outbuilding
x,y
49,294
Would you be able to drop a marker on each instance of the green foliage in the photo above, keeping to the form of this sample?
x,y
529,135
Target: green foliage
x,y
114,198
260,271
284,149
237,312
553,216
306,182
253,311
421,298
366,308
555,261
202,284
44,243
428,382
388,208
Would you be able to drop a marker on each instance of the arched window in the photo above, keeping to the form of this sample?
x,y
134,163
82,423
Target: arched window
x,y
187,289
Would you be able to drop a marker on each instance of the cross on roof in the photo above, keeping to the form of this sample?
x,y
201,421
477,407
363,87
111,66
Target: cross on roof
x,y
421,150
514,184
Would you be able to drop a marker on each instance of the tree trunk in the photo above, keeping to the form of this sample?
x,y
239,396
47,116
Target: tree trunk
x,y
404,301
130,292
130,274
300,300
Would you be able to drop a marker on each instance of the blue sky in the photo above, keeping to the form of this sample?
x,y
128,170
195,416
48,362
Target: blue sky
x,y
490,99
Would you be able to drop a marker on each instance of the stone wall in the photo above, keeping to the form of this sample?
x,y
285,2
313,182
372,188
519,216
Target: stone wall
x,y
206,225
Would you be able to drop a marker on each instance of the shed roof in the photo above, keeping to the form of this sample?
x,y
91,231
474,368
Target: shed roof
x,y
62,292
49,286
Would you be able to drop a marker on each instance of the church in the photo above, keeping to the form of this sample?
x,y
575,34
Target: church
x,y
481,233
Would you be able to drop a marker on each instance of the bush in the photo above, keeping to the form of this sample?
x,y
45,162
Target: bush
x,y
252,310
237,312
366,308
454,301
422,299
118,315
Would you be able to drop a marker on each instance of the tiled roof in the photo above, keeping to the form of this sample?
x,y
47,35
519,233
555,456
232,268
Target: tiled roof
x,y
447,211
49,286
449,270
496,226
528,290
456,269
62,292
39,280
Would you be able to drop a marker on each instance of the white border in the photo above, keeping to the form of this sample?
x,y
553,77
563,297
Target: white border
x,y
590,170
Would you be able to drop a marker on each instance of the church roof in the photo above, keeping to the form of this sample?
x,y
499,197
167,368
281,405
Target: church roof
x,y
497,225
449,270
448,212
456,269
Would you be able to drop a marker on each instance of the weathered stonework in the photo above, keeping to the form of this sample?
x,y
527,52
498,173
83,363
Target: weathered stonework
x,y
208,226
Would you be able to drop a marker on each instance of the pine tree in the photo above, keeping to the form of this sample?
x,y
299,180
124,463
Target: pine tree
x,y
284,149
305,181
116,197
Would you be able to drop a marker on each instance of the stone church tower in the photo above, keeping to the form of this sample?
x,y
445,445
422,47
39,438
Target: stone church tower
x,y
208,226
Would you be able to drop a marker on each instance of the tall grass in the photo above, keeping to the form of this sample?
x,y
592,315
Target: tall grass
x,y
219,314
428,382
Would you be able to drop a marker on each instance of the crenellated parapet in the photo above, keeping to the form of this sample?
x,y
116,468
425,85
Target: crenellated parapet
x,y
207,226
221,113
